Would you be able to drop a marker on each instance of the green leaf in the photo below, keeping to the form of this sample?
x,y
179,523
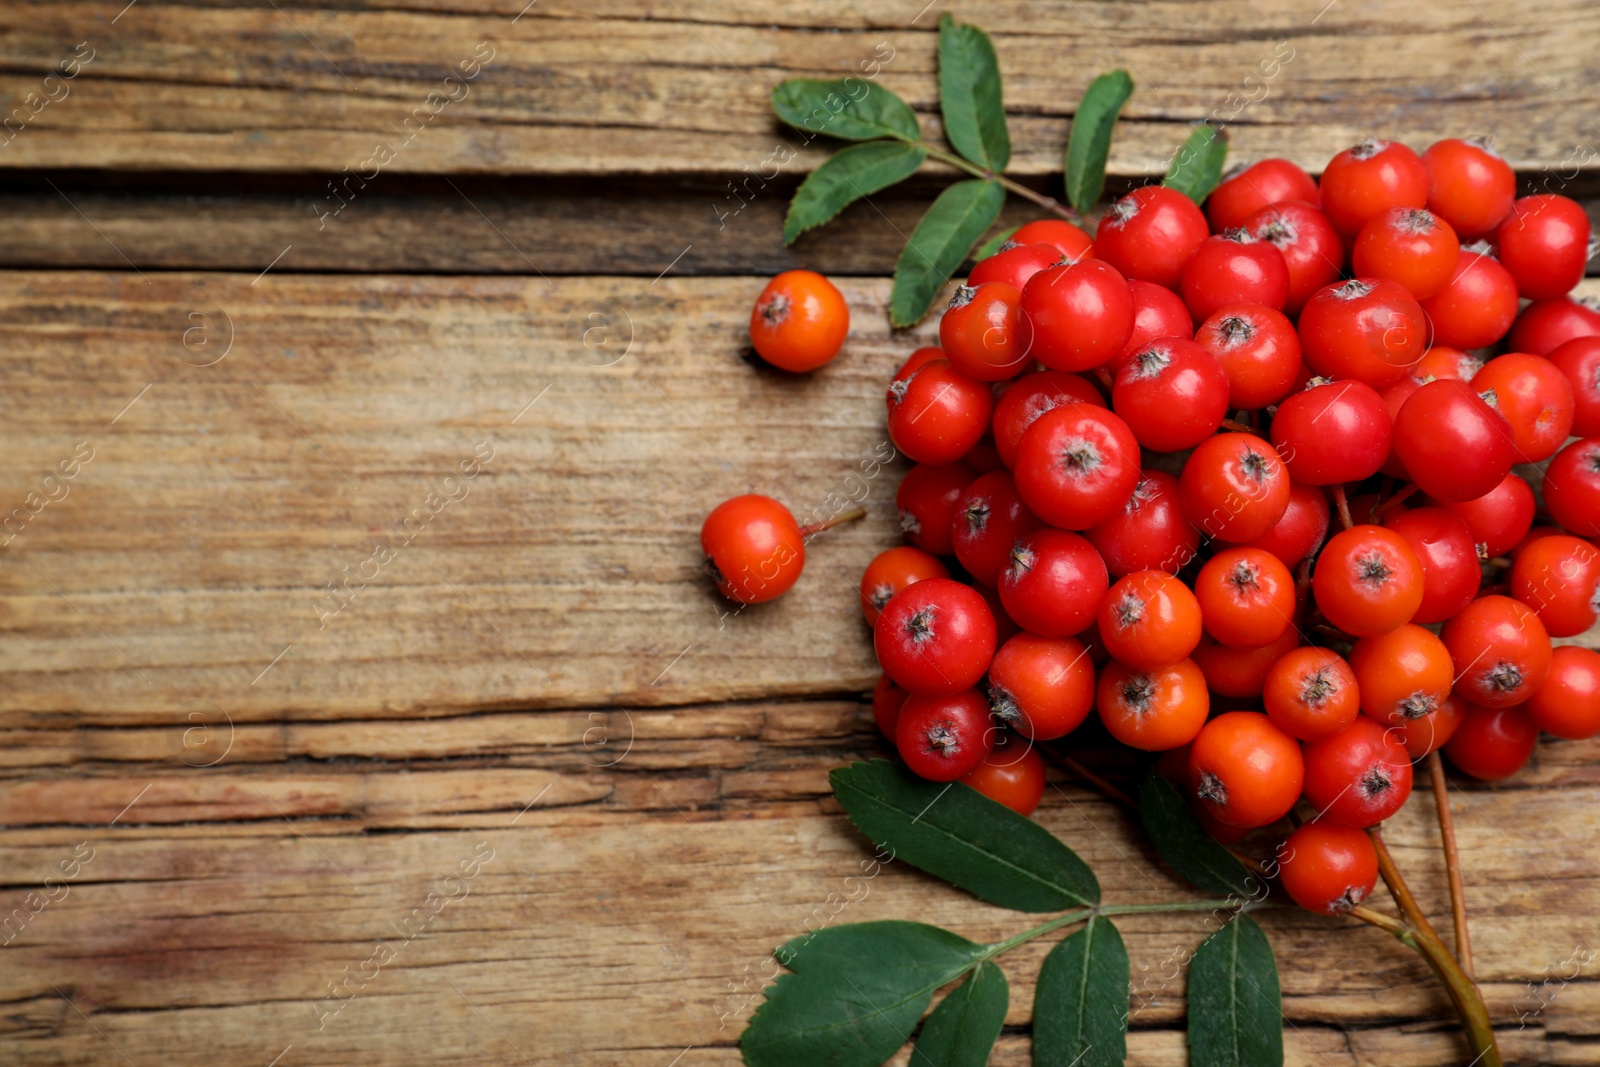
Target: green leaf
x,y
962,836
1235,1007
856,992
963,1028
1089,145
1080,1007
849,174
939,244
850,109
1185,845
1197,168
992,245
969,95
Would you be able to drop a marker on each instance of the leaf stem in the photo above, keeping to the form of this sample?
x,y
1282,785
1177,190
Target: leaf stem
x,y
1043,928
1102,909
1452,861
1048,203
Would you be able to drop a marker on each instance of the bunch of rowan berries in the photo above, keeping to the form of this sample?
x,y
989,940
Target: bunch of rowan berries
x,y
1129,454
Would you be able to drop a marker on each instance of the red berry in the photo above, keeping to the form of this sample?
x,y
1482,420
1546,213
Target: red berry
x,y
1246,771
1534,397
1359,776
1559,578
1241,672
754,549
989,518
938,414
1453,444
1332,433
1076,466
1014,264
1149,531
1013,775
1302,529
1068,239
1409,245
1157,313
1043,687
914,362
1544,243
935,637
1031,396
1579,360
943,737
1078,315
1053,583
1328,869
1442,361
1568,703
1492,743
1370,178
1545,325
799,321
891,571
1476,307
1367,581
1311,693
927,500
1572,487
1172,395
1153,710
1403,674
982,332
1234,487
1369,329
1255,188
1258,349
886,701
1246,597
1430,732
1151,233
1469,185
1501,651
1149,619
1234,268
1444,546
1312,250
1498,519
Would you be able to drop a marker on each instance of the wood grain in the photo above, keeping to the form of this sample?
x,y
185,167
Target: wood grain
x,y
635,86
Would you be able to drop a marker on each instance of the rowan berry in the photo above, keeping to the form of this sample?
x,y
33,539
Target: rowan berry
x,y
1498,519
1572,487
1492,743
886,700
1559,578
1258,349
1014,264
1012,774
1444,547
938,414
1367,581
1042,687
1072,242
1534,398
1403,674
1246,597
1254,189
942,737
1153,710
1429,732
1031,396
1149,531
989,518
1452,443
1544,243
1077,315
1077,465
983,334
1157,313
1151,233
1241,673
1053,582
753,547
914,362
1409,245
935,637
1172,395
1328,869
927,499
1312,249
799,321
1233,268
1371,177
1545,325
1477,305
1369,329
891,571
1149,619
1332,432
1442,361
1359,776
1469,185
1579,360
1501,651
1568,703
1234,487
1301,530
1311,693
1246,771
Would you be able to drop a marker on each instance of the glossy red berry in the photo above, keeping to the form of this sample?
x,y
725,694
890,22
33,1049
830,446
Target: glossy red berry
x,y
891,571
1246,771
1312,249
1078,315
1157,313
1013,775
799,321
1043,687
1469,185
1241,672
1544,243
886,701
1258,350
1311,693
914,362
935,637
1151,233
1369,329
1233,268
1370,178
982,332
989,518
1014,264
1153,711
1534,398
1246,597
1559,578
1149,531
754,549
1069,240
1367,581
1053,583
1572,487
945,736
1568,703
1403,674
1076,466
1501,651
1492,743
1476,307
1173,394
1256,188
1359,776
1545,325
1031,396
1409,245
1328,869
1332,433
1301,530
1453,444
1149,619
938,414
1498,519
927,500
1234,487
1579,361
1444,547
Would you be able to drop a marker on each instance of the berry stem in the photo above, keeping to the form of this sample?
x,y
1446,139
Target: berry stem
x,y
1384,508
1452,861
1238,427
1091,779
1397,885
811,529
1048,203
1343,504
1379,919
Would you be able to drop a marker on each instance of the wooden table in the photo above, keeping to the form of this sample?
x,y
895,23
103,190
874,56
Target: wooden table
x,y
523,789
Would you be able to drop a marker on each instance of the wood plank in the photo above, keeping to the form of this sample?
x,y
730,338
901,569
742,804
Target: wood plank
x,y
631,86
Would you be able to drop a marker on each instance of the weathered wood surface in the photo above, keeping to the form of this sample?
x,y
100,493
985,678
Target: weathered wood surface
x,y
657,829
630,86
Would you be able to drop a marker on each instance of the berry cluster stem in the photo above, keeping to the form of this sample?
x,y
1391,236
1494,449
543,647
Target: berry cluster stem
x,y
1342,503
1452,861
